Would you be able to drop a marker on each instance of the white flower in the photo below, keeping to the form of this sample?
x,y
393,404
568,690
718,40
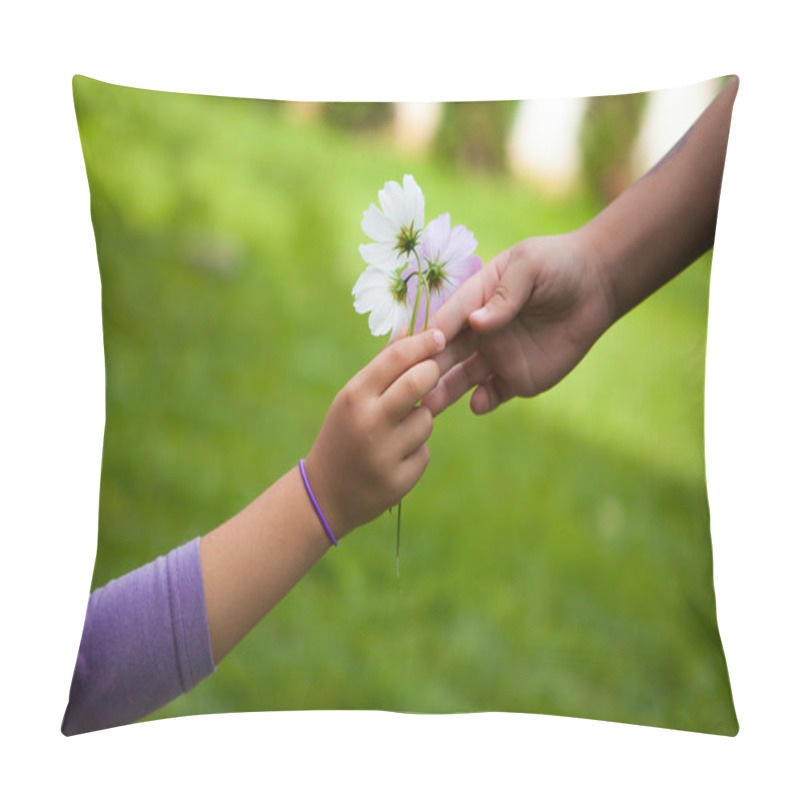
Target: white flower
x,y
396,227
382,294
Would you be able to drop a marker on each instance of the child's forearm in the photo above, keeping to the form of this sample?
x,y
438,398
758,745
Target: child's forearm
x,y
667,219
252,561
369,453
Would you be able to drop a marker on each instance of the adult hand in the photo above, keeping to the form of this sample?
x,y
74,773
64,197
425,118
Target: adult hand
x,y
532,313
522,323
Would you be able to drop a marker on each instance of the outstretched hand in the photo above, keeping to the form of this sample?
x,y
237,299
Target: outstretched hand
x,y
521,324
371,449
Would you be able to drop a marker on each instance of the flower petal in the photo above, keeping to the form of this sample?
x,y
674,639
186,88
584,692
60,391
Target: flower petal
x,y
369,290
460,244
372,277
402,316
414,201
379,254
391,200
377,226
472,265
435,237
380,320
372,294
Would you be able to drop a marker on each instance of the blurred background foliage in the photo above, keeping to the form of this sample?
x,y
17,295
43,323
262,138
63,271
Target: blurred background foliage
x,y
358,117
608,135
556,555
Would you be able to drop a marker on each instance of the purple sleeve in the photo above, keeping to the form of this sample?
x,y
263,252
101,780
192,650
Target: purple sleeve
x,y
145,641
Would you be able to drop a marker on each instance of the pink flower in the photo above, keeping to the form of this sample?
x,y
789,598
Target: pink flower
x,y
447,257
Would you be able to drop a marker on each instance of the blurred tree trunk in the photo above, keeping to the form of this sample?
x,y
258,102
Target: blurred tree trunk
x,y
475,134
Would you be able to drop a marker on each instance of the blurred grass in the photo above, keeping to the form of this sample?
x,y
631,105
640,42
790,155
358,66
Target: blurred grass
x,y
556,555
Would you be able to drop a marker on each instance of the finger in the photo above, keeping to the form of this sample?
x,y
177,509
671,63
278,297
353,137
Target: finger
x,y
398,357
469,297
411,468
457,350
410,388
459,380
514,288
489,394
415,430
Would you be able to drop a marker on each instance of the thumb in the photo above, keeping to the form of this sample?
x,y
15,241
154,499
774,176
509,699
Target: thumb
x,y
512,292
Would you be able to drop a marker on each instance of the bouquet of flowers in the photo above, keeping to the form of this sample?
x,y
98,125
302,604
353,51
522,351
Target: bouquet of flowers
x,y
407,259
412,269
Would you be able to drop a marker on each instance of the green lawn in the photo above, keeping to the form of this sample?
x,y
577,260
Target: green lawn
x,y
556,555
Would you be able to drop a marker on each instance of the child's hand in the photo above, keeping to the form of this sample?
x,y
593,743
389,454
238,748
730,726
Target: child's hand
x,y
371,449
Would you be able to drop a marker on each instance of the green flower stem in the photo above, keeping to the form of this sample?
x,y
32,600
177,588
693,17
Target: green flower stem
x,y
420,281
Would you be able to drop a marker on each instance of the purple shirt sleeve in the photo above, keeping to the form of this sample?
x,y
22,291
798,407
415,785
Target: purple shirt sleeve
x,y
145,641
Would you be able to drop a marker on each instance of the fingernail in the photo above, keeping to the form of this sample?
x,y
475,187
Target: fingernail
x,y
480,315
438,337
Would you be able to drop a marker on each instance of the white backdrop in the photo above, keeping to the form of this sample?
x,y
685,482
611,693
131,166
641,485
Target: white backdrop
x,y
52,395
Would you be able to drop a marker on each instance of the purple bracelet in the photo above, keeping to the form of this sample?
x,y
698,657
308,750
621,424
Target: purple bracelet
x,y
316,504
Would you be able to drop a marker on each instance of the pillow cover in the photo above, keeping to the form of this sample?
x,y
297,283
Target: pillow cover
x,y
556,556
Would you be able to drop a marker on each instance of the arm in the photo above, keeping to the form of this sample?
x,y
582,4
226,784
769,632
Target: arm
x,y
369,453
532,313
144,642
157,631
667,219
